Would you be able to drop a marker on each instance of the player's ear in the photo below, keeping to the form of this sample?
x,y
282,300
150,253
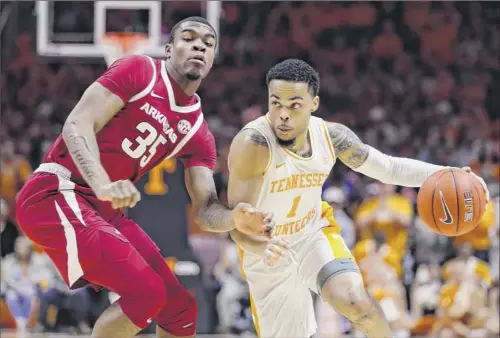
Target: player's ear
x,y
315,102
168,50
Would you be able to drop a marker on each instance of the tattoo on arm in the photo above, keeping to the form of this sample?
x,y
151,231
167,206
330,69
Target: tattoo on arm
x,y
210,214
347,145
258,138
85,153
79,154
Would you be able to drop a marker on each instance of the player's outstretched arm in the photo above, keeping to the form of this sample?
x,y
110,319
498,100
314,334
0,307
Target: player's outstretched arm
x,y
94,110
210,214
369,161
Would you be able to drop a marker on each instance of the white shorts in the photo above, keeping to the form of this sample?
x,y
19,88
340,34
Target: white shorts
x,y
281,299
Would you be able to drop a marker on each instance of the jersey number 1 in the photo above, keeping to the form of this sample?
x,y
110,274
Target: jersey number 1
x,y
150,142
293,209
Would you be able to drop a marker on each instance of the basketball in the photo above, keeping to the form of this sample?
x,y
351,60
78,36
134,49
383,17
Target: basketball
x,y
451,202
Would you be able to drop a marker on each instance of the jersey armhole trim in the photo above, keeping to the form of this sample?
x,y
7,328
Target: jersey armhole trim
x,y
270,161
150,86
329,140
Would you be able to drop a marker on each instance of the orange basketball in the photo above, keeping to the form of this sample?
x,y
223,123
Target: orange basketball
x,y
451,202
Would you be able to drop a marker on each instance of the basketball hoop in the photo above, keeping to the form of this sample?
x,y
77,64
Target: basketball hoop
x,y
116,45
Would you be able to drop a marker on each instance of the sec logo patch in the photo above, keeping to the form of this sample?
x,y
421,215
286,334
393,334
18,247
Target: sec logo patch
x,y
183,127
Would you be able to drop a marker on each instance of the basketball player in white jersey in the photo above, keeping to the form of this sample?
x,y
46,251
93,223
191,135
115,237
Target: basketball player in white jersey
x,y
278,163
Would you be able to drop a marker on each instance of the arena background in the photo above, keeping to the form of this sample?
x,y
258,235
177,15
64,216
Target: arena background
x,y
414,79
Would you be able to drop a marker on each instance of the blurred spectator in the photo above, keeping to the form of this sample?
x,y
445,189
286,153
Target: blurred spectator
x,y
387,45
389,213
23,274
429,248
479,238
425,298
8,230
58,298
463,307
15,171
231,298
335,196
4,212
495,240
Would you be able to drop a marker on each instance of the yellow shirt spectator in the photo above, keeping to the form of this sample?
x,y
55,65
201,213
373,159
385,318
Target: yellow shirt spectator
x,y
479,238
366,247
453,270
14,174
15,171
388,214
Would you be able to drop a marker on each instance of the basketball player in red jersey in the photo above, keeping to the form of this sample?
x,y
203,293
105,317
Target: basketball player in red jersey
x,y
140,111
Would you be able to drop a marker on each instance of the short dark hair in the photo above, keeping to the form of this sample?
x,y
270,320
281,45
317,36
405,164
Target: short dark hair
x,y
295,70
189,19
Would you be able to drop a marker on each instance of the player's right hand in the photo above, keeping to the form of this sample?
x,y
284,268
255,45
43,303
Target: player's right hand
x,y
276,249
121,194
251,221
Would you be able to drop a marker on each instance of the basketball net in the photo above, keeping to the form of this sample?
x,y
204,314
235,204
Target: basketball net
x,y
116,45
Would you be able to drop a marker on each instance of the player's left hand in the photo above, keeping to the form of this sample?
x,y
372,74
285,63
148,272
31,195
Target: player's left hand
x,y
483,183
253,222
276,249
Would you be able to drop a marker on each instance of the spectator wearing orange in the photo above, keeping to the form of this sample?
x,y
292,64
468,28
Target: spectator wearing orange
x,y
416,14
389,213
387,45
362,14
15,171
438,40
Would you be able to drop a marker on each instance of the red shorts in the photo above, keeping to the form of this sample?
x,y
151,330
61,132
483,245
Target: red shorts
x,y
89,242
79,232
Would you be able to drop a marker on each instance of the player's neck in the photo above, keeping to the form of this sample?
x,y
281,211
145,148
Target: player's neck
x,y
188,87
301,146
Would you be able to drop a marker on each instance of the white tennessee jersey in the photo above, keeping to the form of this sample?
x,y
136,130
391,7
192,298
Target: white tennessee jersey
x,y
292,184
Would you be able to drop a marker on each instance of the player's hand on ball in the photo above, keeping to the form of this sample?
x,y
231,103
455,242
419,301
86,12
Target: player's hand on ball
x,y
121,194
276,249
483,183
251,221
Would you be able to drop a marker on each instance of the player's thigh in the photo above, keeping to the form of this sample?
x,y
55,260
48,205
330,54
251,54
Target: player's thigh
x,y
82,245
281,304
152,255
325,256
138,238
65,225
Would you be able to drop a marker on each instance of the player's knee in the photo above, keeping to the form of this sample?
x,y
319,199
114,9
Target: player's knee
x,y
347,268
152,296
143,297
347,294
179,315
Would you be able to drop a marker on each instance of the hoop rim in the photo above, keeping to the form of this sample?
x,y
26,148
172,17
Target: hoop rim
x,y
114,45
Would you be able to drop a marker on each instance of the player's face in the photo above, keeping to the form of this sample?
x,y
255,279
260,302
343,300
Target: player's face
x,y
290,107
192,52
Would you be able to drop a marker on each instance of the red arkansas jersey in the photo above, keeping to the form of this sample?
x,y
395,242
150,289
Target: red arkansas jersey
x,y
158,121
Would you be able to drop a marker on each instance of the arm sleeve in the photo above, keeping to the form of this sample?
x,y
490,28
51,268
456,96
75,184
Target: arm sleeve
x,y
201,151
128,76
397,170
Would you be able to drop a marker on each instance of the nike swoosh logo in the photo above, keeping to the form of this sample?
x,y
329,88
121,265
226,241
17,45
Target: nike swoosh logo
x,y
449,218
155,95
280,165
188,325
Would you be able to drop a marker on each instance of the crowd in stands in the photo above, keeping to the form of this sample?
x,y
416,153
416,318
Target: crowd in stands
x,y
414,79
